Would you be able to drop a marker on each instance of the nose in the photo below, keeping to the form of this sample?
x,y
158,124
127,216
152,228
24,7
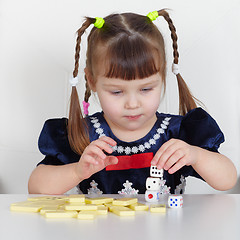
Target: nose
x,y
132,102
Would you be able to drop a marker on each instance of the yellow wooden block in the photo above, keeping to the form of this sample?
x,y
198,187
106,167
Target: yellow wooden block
x,y
48,209
80,206
98,201
102,210
76,198
61,214
158,208
109,206
139,207
86,215
123,211
49,203
124,201
46,198
21,203
25,208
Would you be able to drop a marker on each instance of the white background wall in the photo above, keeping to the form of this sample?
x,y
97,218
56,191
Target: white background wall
x,y
37,41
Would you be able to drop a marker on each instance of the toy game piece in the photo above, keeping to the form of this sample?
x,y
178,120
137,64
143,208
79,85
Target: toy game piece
x,y
47,198
61,214
153,183
139,207
109,206
102,210
175,201
154,172
86,215
158,208
48,209
76,198
122,211
80,206
99,201
25,208
124,201
152,195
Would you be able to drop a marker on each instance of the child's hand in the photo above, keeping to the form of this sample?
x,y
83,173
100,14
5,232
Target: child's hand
x,y
173,155
94,159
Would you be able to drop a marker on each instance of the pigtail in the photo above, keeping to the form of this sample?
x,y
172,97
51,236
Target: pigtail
x,y
186,100
77,127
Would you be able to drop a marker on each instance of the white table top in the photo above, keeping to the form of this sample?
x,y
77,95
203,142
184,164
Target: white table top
x,y
214,217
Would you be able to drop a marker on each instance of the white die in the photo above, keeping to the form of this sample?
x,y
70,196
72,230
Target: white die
x,y
153,183
152,196
154,172
175,201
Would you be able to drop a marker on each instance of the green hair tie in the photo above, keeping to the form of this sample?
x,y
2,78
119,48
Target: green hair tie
x,y
153,15
99,22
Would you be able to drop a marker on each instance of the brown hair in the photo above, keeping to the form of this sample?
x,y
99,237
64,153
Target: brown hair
x,y
131,47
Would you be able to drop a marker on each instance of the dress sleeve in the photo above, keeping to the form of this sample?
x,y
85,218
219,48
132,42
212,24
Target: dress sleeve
x,y
198,128
53,143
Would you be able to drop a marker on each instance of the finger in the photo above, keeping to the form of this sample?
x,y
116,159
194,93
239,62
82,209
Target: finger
x,y
88,159
111,160
174,158
95,151
167,154
102,145
177,166
108,140
161,150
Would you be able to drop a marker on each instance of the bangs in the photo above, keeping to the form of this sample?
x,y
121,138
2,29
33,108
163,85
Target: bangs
x,y
131,58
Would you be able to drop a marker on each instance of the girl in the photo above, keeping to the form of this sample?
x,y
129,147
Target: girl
x,y
126,67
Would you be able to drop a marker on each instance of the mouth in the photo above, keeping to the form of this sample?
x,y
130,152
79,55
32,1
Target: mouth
x,y
135,117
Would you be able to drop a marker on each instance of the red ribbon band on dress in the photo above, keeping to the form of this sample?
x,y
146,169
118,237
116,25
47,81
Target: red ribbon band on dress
x,y
142,160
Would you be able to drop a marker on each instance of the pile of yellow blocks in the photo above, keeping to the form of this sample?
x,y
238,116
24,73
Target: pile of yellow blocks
x,y
77,206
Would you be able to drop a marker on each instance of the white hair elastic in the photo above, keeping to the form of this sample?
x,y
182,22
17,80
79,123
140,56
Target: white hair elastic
x,y
73,81
175,69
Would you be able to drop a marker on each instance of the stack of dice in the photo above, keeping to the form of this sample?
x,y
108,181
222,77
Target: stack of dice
x,y
153,184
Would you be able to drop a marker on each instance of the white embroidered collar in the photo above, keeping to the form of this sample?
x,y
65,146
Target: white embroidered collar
x,y
135,149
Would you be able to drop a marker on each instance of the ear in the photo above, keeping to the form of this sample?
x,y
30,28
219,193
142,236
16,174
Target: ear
x,y
89,79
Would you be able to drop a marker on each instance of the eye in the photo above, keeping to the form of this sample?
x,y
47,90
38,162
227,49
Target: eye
x,y
147,89
117,92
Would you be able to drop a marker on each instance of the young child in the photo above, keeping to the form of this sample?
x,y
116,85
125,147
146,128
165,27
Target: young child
x,y
126,67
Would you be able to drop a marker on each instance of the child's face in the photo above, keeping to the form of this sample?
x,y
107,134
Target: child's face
x,y
129,105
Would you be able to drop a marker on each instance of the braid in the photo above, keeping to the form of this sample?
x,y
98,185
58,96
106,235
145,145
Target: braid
x,y
77,126
186,99
80,32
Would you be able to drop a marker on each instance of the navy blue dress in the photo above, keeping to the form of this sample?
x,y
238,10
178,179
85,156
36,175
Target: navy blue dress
x,y
197,128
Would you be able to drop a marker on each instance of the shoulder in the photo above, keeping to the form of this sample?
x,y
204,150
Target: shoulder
x,y
199,128
53,140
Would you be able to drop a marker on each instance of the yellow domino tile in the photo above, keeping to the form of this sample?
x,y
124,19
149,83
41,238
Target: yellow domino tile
x,y
80,206
123,211
61,214
124,201
48,209
49,203
98,201
158,208
139,207
79,198
46,198
86,215
21,203
109,206
102,210
25,208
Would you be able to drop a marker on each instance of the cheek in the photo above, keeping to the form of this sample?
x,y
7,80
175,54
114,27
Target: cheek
x,y
108,104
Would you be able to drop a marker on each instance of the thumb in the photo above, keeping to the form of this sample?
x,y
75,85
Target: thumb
x,y
111,160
